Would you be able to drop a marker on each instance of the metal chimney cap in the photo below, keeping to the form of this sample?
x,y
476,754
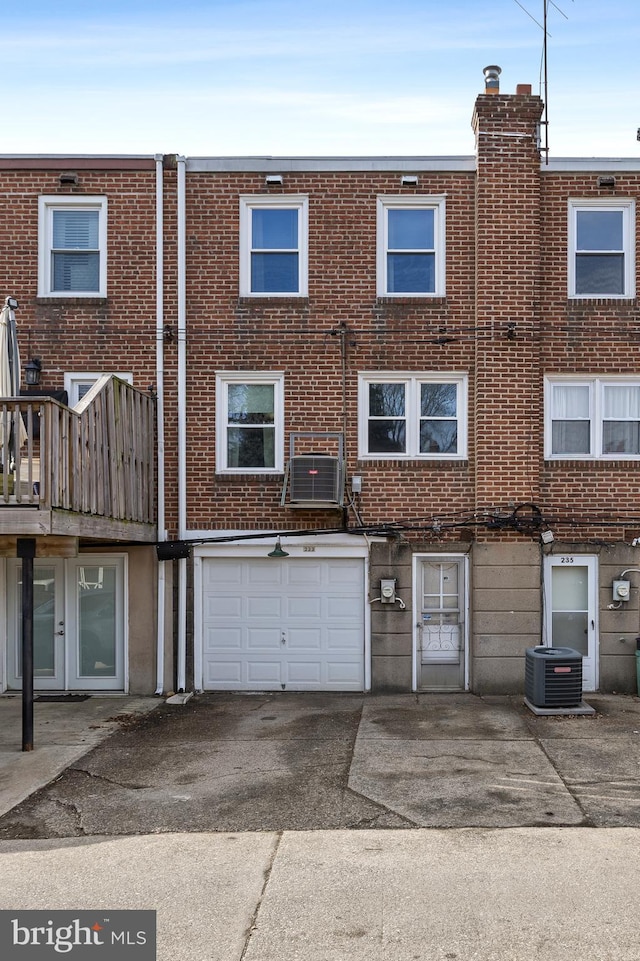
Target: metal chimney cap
x,y
492,72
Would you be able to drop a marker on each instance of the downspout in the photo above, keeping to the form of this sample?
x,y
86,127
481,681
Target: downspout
x,y
162,533
181,674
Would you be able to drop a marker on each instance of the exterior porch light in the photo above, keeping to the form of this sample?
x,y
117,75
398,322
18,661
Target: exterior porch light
x,y
32,372
278,551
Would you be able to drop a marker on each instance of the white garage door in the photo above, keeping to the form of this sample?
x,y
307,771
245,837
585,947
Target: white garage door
x,y
292,625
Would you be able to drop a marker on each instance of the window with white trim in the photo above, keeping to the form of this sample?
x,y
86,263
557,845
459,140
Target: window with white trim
x,y
412,415
249,422
78,384
594,417
72,246
273,246
411,246
602,248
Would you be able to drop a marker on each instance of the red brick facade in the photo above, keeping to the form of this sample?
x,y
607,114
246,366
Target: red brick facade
x,y
505,321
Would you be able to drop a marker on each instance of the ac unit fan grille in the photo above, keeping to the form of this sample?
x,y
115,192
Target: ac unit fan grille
x,y
315,478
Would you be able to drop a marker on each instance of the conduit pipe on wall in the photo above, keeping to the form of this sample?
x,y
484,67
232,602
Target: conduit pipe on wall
x,y
162,533
181,673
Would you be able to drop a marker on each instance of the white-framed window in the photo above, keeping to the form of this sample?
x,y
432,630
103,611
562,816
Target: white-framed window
x,y
411,246
412,415
592,417
249,422
72,246
602,248
273,246
79,383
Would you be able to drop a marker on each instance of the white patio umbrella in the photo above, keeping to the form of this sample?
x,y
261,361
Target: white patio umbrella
x,y
10,377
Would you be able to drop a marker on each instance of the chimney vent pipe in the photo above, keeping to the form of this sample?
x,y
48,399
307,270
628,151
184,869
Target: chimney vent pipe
x,y
492,78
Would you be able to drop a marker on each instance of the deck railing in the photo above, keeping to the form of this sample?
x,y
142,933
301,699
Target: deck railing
x,y
97,458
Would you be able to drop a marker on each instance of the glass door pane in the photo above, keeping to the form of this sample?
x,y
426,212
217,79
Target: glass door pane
x,y
48,626
95,589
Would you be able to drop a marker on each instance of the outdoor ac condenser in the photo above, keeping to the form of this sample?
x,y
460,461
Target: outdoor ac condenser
x,y
315,478
553,676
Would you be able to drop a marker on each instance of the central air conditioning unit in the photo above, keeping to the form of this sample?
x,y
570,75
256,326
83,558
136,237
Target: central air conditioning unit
x,y
553,677
315,472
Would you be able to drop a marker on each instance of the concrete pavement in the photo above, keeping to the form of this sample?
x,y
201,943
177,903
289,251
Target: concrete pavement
x,y
461,895
312,762
227,816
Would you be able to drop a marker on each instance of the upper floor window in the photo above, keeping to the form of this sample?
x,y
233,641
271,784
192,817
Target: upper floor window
x,y
601,248
273,246
411,234
72,246
418,416
592,417
249,422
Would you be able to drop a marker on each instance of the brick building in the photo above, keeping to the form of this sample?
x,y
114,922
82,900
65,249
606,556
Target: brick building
x,y
398,406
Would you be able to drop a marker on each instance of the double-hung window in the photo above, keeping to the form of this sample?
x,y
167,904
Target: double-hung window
x,y
592,418
249,423
411,241
273,246
413,416
72,246
601,248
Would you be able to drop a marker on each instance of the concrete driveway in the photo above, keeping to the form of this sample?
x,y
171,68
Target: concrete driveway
x,y
233,763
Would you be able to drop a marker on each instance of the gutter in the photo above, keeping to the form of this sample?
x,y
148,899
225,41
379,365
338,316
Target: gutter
x,y
181,667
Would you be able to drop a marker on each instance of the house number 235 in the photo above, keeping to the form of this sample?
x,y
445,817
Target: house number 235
x,y
566,560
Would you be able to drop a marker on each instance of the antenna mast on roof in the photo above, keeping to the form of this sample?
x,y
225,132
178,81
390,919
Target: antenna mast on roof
x,y
544,77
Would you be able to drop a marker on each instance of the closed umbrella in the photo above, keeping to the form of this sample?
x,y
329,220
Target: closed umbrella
x,y
10,379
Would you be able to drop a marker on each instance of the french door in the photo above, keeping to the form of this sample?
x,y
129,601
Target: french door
x,y
78,623
571,611
441,623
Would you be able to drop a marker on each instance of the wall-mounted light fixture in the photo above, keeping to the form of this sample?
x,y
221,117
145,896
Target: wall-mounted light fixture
x,y
68,178
32,371
278,551
274,180
607,182
409,180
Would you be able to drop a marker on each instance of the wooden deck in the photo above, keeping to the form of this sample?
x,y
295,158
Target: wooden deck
x,y
84,471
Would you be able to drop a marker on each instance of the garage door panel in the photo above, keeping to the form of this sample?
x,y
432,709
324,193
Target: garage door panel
x,y
308,607
264,672
224,674
264,606
296,624
299,639
261,575
223,639
262,639
343,640
229,606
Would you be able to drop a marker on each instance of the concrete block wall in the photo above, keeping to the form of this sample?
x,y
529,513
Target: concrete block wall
x,y
506,614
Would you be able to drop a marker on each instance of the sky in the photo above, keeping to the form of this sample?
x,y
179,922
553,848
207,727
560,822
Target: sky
x,y
310,77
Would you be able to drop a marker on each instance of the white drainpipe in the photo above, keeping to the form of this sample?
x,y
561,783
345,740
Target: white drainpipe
x,y
162,534
182,425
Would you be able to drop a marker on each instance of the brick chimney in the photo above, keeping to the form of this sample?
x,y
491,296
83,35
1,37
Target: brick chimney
x,y
508,247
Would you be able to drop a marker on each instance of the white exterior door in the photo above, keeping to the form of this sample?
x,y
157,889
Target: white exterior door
x,y
571,610
78,624
291,624
441,609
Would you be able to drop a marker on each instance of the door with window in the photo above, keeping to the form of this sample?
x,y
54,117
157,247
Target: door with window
x,y
441,608
571,610
78,623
